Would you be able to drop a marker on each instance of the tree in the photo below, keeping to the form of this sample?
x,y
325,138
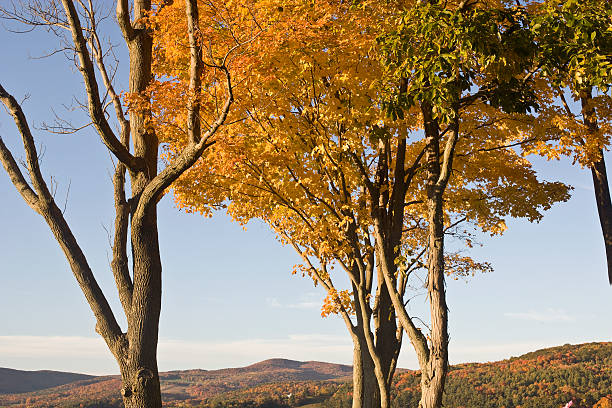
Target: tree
x,y
326,146
464,67
574,45
605,402
136,149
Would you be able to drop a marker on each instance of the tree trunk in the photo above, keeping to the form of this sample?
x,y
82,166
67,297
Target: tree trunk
x,y
140,375
433,374
387,345
604,207
140,386
365,386
600,181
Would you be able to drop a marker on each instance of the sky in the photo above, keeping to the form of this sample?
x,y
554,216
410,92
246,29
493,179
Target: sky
x,y
229,298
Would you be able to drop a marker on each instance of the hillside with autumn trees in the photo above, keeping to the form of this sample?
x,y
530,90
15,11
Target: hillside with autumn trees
x,y
547,378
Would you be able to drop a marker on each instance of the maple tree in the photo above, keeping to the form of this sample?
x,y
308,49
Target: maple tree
x,y
135,147
573,40
327,147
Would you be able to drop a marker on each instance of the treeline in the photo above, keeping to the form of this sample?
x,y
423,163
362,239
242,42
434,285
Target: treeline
x,y
277,395
547,378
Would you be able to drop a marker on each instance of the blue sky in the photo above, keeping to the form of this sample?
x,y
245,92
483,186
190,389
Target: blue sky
x,y
229,297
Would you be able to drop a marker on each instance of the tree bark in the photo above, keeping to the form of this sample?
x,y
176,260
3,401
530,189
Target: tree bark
x,y
600,180
365,386
433,373
604,207
140,293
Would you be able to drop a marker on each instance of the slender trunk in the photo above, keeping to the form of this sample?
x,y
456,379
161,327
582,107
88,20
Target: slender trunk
x,y
433,374
358,375
365,386
604,207
387,344
371,393
600,181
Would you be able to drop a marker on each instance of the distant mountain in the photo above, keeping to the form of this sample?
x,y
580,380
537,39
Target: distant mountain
x,y
547,378
16,381
183,385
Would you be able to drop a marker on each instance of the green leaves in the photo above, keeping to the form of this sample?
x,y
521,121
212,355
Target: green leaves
x,y
574,42
446,53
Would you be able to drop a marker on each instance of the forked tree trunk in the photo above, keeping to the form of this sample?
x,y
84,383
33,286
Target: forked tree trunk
x,y
140,377
433,373
140,296
377,358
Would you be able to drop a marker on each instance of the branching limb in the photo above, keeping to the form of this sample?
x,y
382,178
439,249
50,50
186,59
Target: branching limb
x,y
119,264
123,19
96,110
195,73
43,203
449,153
20,183
192,152
417,338
96,47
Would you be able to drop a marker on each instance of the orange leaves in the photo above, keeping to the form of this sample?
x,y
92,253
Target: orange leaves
x,y
464,266
562,133
336,302
307,133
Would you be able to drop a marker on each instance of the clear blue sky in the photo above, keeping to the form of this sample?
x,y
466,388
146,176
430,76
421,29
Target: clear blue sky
x,y
229,298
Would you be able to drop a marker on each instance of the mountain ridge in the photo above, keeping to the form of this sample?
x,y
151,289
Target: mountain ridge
x,y
543,376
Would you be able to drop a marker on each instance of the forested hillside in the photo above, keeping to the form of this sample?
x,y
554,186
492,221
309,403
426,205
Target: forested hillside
x,y
546,378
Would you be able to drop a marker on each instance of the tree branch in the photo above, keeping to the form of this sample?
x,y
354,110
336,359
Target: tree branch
x,y
96,110
192,152
45,205
123,20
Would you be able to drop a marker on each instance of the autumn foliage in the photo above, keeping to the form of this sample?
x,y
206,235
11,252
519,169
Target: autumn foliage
x,y
330,139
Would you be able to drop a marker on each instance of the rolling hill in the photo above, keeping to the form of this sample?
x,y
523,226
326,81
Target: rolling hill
x,y
547,378
17,381
186,386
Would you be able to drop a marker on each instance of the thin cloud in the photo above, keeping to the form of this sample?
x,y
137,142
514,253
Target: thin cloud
x,y
550,315
310,301
90,355
470,353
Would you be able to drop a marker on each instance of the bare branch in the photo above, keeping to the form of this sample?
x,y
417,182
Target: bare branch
x,y
45,205
12,168
96,47
96,111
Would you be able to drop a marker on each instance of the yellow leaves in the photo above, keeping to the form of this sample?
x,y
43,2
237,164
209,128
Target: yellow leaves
x,y
300,144
458,266
557,133
337,302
